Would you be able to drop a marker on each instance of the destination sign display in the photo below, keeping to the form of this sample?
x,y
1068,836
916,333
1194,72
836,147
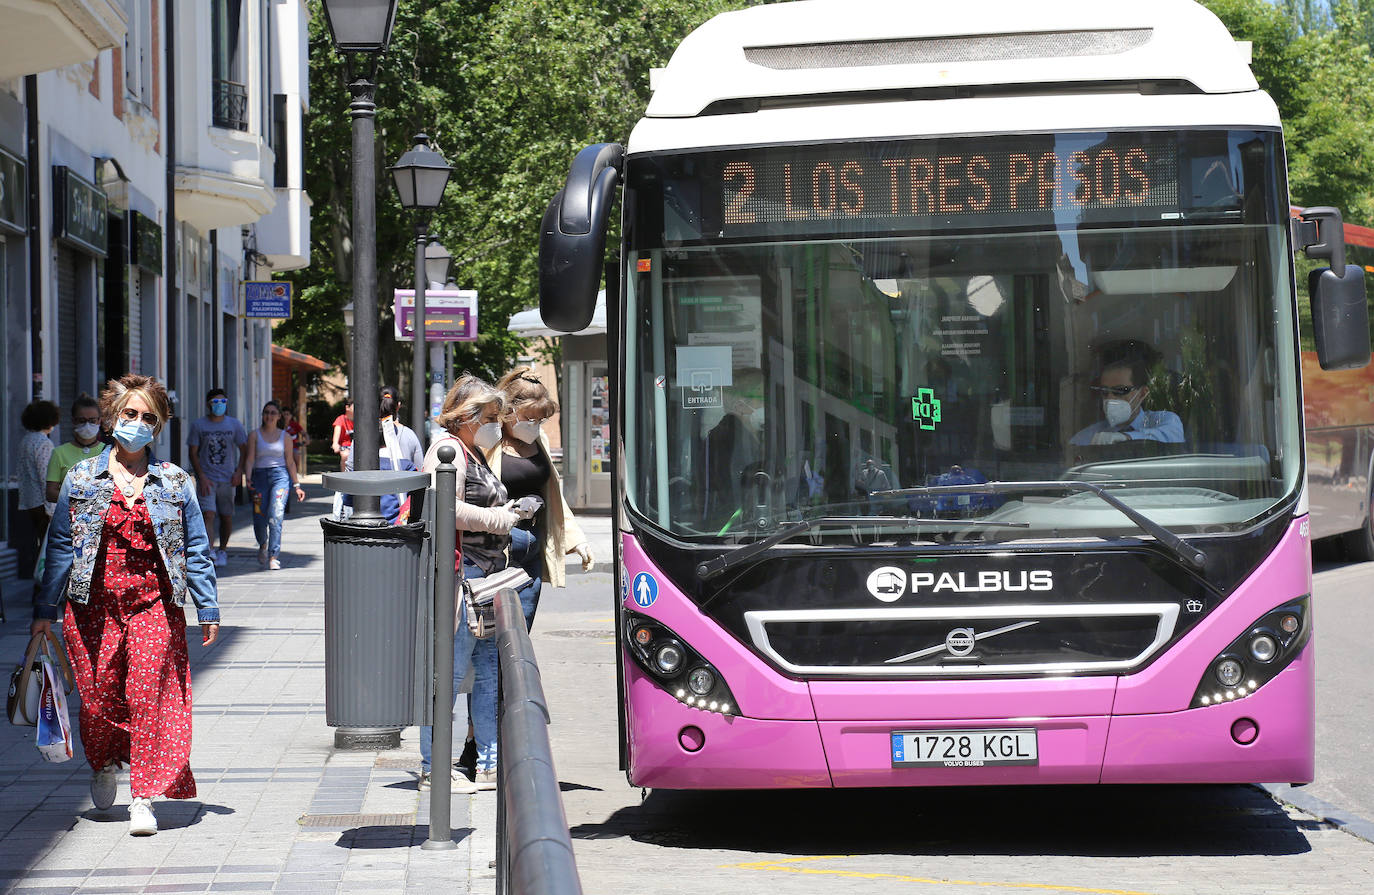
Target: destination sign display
x,y
917,184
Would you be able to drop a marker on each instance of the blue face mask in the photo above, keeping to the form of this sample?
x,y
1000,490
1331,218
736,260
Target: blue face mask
x,y
133,435
218,406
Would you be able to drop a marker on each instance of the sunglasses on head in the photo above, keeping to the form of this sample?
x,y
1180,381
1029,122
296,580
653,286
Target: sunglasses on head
x,y
1119,391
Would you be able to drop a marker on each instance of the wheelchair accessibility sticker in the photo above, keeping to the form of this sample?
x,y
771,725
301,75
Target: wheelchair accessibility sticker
x,y
645,590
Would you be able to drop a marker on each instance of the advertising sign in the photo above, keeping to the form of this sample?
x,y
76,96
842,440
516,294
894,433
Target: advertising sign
x,y
271,298
450,315
13,204
79,215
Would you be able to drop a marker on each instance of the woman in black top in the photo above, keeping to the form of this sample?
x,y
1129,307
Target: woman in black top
x,y
522,462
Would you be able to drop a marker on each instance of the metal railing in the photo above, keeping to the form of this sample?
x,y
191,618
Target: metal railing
x,y
229,107
534,854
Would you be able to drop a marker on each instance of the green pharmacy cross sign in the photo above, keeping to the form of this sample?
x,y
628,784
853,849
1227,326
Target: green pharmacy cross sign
x,y
925,408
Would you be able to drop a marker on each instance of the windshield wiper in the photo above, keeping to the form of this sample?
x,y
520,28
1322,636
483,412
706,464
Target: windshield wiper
x,y
1179,547
726,561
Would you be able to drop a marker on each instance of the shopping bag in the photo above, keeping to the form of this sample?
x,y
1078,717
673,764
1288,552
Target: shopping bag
x,y
26,680
54,736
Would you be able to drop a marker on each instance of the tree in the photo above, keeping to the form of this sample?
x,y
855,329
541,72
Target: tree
x,y
509,90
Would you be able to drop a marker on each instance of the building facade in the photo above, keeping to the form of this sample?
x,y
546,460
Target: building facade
x,y
150,164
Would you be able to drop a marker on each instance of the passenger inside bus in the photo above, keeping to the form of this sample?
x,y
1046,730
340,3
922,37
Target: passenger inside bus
x,y
1122,390
734,449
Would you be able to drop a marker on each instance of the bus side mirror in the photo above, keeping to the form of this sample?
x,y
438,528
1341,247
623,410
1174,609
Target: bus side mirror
x,y
1340,317
572,238
1340,310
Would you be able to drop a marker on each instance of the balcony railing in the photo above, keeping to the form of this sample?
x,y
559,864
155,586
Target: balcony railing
x,y
230,105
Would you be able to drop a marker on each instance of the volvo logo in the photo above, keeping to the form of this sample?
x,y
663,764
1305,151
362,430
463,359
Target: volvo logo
x,y
960,641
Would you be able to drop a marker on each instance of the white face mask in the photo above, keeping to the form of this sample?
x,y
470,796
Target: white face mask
x,y
526,430
1117,411
488,436
756,418
87,431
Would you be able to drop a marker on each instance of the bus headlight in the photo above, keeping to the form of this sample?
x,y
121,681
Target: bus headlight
x,y
1230,672
1264,647
1272,642
668,657
701,681
673,665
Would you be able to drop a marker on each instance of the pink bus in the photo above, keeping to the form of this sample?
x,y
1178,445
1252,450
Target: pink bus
x,y
957,400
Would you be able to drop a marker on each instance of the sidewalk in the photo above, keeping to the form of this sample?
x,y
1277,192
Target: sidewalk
x,y
278,809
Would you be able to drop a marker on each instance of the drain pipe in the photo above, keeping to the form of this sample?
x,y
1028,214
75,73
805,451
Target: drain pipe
x,y
36,289
169,247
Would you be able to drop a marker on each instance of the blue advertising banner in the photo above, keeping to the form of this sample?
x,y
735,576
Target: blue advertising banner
x,y
267,299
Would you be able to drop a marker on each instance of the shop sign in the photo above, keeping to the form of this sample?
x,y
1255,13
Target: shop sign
x,y
145,243
450,315
13,201
267,298
80,213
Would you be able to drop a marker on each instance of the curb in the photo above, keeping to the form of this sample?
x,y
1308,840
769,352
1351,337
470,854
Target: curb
x,y
1324,811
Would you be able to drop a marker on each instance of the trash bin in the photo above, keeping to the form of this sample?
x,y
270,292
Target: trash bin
x,y
377,604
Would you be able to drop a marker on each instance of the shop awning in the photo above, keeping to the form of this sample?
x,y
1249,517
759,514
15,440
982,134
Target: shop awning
x,y
528,324
296,360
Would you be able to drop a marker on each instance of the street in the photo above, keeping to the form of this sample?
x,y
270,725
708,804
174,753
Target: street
x,y
1090,839
280,810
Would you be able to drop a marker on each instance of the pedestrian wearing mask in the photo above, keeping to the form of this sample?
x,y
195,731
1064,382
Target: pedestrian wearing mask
x,y
126,548
484,519
86,443
35,451
273,472
216,445
525,468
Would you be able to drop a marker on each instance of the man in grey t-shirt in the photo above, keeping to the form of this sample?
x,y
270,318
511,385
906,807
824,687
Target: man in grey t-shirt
x,y
216,446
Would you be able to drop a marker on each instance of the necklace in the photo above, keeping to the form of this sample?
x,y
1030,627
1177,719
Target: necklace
x,y
130,481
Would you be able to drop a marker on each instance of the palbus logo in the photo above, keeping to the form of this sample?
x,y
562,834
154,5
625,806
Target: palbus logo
x,y
889,583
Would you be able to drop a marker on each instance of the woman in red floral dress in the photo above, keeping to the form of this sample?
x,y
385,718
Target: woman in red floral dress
x,y
127,545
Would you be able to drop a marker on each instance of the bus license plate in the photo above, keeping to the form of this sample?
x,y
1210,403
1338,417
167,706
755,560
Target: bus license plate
x,y
964,748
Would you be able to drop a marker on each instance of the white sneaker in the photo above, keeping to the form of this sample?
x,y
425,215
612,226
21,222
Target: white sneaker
x,y
459,782
485,780
141,819
274,564
104,783
221,558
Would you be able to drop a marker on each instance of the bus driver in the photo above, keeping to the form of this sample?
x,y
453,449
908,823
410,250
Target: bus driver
x,y
1121,386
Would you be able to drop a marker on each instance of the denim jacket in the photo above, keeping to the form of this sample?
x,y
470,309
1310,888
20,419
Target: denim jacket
x,y
77,525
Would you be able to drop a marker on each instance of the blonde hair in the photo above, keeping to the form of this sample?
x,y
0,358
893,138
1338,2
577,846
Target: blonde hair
x,y
118,392
466,401
524,389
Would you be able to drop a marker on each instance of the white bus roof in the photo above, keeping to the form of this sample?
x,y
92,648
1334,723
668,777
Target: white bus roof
x,y
812,48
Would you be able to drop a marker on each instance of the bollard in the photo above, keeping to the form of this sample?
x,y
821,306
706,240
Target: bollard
x,y
441,759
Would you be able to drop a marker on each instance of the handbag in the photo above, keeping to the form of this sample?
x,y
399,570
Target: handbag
x,y
479,596
24,702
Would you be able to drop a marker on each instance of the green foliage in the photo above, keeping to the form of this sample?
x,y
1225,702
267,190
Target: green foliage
x,y
509,90
1313,58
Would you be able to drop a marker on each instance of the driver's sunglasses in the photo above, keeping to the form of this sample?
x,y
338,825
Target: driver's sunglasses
x,y
1119,391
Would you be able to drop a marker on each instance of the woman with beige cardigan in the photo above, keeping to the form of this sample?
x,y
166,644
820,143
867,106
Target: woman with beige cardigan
x,y
524,466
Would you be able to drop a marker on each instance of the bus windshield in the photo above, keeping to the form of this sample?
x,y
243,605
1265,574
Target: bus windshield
x,y
813,328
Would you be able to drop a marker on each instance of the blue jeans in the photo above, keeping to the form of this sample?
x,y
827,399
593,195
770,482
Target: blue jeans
x,y
527,552
483,724
270,486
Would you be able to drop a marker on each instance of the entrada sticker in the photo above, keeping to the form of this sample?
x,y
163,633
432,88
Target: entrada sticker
x,y
645,590
925,408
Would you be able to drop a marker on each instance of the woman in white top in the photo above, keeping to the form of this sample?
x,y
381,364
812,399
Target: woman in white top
x,y
273,471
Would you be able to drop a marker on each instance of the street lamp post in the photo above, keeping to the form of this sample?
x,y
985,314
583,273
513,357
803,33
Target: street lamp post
x,y
420,177
437,262
361,29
